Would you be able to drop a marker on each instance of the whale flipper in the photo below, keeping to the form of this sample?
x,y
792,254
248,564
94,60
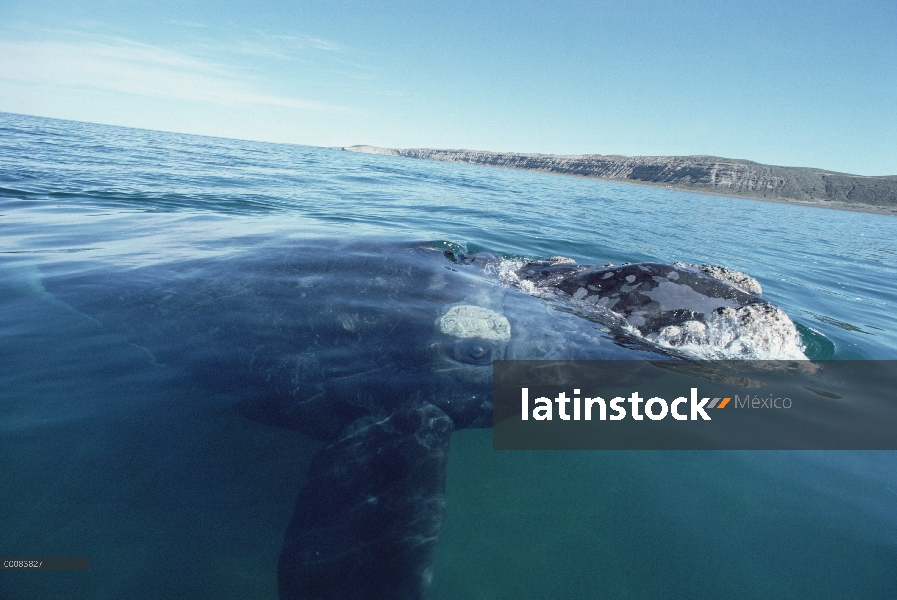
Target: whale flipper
x,y
367,522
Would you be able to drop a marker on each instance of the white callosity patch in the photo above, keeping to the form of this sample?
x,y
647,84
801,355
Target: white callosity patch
x,y
561,260
755,331
689,332
468,321
737,279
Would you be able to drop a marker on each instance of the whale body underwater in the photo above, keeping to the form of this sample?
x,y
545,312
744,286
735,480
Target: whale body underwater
x,y
383,350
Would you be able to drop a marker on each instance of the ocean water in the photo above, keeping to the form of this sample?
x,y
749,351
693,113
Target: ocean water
x,y
112,448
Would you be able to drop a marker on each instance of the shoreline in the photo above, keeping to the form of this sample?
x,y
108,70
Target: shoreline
x,y
558,161
830,204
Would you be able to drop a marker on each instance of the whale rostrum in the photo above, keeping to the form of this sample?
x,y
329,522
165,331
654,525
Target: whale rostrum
x,y
695,311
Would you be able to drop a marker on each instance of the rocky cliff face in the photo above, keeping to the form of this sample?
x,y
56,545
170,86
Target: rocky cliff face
x,y
700,173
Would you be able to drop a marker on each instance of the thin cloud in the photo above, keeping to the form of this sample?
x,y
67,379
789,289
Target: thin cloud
x,y
193,24
122,65
302,42
317,43
288,47
259,50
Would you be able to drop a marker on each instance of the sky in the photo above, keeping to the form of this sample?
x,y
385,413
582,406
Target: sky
x,y
793,83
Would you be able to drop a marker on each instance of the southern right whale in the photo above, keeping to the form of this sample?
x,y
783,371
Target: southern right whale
x,y
381,351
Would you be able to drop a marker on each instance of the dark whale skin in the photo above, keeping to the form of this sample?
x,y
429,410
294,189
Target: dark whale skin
x,y
345,347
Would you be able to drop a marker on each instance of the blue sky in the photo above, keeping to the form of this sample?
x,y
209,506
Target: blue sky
x,y
796,83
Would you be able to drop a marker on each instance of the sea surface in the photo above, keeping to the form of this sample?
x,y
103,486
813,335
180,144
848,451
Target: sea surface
x,y
110,448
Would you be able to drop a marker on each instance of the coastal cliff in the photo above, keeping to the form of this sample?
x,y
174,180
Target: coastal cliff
x,y
694,173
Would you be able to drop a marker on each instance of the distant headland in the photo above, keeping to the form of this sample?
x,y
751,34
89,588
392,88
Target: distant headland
x,y
709,174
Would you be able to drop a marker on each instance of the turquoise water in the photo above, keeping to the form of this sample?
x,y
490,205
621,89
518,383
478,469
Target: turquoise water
x,y
109,451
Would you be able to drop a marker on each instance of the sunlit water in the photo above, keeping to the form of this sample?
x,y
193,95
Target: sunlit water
x,y
108,451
